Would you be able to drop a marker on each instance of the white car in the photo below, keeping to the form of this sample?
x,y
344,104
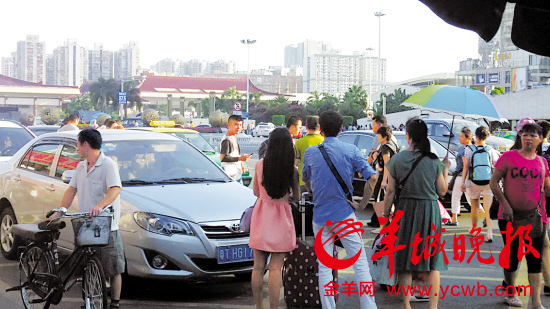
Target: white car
x,y
180,212
13,136
263,129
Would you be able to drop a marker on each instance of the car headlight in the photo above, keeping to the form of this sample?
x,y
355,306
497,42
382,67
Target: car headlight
x,y
162,224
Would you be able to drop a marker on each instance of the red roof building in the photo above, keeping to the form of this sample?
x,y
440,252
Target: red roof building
x,y
156,89
30,97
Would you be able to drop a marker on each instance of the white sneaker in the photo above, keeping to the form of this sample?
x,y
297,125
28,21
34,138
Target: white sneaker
x,y
376,231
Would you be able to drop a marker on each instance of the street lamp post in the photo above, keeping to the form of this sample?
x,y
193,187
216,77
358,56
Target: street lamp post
x,y
371,104
248,42
125,106
379,14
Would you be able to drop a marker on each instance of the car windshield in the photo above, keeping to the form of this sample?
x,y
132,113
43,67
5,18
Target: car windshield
x,y
146,162
40,131
12,139
196,139
457,126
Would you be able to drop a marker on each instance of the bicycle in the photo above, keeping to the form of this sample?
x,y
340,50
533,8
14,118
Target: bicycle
x,y
39,269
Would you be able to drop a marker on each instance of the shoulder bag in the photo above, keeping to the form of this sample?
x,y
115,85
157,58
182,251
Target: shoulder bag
x,y
401,184
532,217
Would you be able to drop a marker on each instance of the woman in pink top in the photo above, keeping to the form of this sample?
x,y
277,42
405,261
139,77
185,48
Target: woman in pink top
x,y
523,173
271,226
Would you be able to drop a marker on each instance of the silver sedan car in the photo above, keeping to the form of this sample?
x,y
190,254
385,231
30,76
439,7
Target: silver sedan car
x,y
180,211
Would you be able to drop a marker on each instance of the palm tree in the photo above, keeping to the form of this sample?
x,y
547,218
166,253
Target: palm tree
x,y
104,91
133,95
232,94
256,97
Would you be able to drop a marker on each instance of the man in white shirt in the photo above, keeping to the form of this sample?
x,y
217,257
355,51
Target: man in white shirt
x,y
72,123
97,184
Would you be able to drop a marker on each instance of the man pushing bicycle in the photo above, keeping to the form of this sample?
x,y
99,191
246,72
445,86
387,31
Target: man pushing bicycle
x,y
96,182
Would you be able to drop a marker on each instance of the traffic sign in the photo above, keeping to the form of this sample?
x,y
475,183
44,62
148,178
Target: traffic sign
x,y
237,106
237,113
122,98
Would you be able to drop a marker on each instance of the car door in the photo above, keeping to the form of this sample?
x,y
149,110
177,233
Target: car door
x,y
364,144
68,160
32,182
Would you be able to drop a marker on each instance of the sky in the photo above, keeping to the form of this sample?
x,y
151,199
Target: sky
x,y
414,40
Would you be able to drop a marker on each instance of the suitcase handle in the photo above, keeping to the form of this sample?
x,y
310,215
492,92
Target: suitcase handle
x,y
302,210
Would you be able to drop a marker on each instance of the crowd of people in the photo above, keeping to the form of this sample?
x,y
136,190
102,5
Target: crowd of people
x,y
411,181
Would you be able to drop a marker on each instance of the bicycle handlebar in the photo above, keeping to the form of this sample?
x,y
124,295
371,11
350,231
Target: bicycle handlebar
x,y
63,210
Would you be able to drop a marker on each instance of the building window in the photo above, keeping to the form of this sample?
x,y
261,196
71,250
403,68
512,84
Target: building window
x,y
507,77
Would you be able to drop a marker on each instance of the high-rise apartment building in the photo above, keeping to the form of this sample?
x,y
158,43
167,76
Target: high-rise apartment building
x,y
335,74
127,61
30,63
296,55
50,70
7,65
220,67
100,63
70,64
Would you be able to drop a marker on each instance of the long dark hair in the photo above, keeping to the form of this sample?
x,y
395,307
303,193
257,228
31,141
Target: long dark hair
x,y
418,133
278,174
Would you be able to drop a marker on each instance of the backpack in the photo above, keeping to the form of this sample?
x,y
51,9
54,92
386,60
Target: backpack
x,y
546,155
481,167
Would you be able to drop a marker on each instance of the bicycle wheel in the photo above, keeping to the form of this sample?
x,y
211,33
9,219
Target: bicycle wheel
x,y
93,285
35,256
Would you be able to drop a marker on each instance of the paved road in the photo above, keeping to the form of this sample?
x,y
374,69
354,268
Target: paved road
x,y
228,292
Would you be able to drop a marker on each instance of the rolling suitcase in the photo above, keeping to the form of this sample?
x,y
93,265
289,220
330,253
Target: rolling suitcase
x,y
300,270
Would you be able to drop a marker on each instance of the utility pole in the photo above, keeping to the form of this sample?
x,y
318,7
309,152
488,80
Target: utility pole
x,y
248,43
379,15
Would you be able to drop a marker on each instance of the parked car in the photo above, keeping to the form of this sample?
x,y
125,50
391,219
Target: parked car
x,y
180,212
197,140
263,129
206,128
13,136
43,129
440,129
364,140
507,134
132,122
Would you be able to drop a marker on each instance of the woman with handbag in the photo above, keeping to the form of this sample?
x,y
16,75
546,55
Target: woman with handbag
x,y
272,227
524,175
422,177
385,152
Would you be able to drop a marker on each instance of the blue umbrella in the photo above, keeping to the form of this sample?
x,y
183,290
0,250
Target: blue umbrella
x,y
457,101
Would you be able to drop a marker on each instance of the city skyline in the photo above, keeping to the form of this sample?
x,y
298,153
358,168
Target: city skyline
x,y
414,40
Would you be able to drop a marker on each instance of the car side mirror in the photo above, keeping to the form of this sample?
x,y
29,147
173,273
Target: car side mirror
x,y
448,134
67,176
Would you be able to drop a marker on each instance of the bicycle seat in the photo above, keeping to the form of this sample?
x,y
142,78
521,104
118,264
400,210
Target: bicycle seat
x,y
31,232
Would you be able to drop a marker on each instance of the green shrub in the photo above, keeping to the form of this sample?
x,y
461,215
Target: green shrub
x,y
348,121
278,120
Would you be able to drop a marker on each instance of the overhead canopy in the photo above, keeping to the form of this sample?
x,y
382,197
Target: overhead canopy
x,y
529,28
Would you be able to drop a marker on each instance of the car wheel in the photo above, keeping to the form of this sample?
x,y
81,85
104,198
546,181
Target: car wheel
x,y
8,243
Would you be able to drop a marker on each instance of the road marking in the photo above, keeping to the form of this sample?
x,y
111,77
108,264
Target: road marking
x,y
9,264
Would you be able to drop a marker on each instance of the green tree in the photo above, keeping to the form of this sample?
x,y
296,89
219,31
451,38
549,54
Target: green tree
x,y
497,91
104,91
256,97
229,97
133,95
82,102
353,103
393,102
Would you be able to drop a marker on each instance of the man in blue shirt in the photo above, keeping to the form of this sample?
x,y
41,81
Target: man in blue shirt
x,y
331,203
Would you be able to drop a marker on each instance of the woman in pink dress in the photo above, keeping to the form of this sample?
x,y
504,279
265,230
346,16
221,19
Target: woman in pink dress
x,y
271,226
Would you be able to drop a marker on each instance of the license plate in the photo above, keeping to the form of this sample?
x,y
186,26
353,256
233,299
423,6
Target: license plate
x,y
236,253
